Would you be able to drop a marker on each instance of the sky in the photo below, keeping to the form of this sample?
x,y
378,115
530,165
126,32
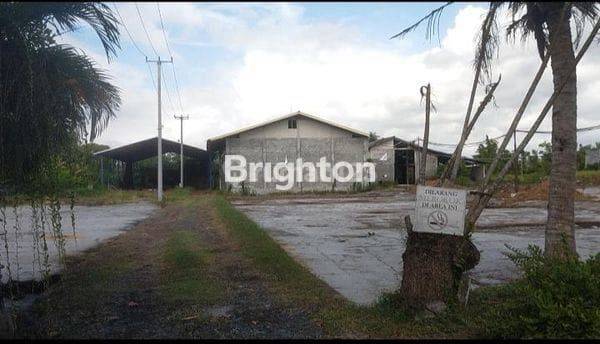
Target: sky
x,y
237,64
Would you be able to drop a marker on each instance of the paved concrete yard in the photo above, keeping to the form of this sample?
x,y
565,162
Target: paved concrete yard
x,y
591,191
330,235
93,224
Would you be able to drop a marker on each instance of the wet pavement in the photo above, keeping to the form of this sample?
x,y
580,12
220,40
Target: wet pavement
x,y
355,244
93,224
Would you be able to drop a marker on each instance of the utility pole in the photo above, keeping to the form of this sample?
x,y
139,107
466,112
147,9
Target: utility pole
x,y
181,118
159,62
516,162
423,162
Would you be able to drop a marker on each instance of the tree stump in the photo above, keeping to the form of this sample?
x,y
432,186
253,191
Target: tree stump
x,y
434,265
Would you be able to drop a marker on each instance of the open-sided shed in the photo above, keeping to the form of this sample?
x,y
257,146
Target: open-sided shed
x,y
145,149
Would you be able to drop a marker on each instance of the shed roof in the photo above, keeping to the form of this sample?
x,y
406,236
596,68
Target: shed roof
x,y
145,149
398,140
297,113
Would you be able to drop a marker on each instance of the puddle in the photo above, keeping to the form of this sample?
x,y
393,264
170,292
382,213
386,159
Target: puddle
x,y
93,225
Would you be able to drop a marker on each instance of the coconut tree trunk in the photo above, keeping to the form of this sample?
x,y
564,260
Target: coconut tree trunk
x,y
434,267
560,232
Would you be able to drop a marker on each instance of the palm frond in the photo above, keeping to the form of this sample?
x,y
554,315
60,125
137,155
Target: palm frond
x,y
487,43
530,22
66,16
92,94
583,13
433,23
49,93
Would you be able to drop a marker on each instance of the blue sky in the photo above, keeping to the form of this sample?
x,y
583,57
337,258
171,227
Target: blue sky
x,y
238,64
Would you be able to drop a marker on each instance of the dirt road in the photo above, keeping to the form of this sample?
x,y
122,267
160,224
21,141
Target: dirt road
x,y
175,275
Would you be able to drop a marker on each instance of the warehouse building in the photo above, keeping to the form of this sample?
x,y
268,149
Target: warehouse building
x,y
285,139
134,166
397,161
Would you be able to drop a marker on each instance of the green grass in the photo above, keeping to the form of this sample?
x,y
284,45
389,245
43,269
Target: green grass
x,y
185,271
589,177
492,312
526,178
267,255
179,195
585,177
295,284
114,196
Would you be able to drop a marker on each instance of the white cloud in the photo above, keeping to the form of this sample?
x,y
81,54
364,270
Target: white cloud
x,y
289,62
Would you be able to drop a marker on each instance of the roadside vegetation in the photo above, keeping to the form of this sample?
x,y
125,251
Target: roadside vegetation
x,y
164,277
553,300
184,276
193,274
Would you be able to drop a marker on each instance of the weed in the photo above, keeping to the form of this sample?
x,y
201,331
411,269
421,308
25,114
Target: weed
x,y
72,213
185,274
556,298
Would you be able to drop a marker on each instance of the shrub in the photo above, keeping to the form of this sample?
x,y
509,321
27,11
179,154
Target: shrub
x,y
554,298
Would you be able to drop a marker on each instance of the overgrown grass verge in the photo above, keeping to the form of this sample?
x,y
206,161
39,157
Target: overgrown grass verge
x,y
589,177
295,284
113,196
554,299
184,273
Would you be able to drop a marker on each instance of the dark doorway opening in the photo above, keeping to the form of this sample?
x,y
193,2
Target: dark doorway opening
x,y
404,169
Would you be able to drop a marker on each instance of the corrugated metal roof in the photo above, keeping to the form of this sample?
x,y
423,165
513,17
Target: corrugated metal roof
x,y
418,147
297,113
145,149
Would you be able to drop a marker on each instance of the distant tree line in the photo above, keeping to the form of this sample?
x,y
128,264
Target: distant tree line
x,y
535,161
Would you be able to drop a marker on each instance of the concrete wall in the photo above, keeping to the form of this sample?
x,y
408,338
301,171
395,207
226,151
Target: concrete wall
x,y
276,150
305,128
430,166
386,168
382,155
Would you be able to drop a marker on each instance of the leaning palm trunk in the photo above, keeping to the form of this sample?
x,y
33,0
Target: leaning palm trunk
x,y
516,120
451,170
486,100
484,197
453,164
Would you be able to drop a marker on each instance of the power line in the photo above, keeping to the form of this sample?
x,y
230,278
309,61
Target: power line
x,y
171,54
135,45
142,52
127,30
144,27
594,127
169,96
585,129
151,76
155,51
163,29
177,86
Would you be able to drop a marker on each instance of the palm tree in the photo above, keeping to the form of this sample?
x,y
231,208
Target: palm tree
x,y
50,93
550,25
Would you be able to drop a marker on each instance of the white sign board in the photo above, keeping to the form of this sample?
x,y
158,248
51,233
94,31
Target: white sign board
x,y
440,210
